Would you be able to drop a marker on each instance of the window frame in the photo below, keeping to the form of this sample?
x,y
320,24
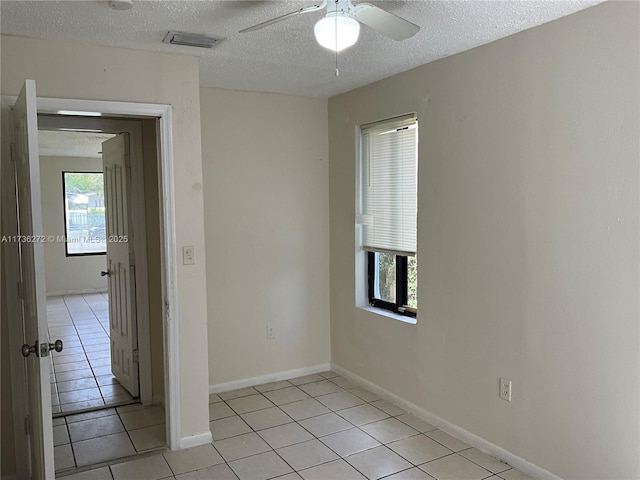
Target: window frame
x,y
64,217
366,262
400,306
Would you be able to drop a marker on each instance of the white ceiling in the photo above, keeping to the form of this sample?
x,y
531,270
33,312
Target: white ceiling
x,y
71,144
283,58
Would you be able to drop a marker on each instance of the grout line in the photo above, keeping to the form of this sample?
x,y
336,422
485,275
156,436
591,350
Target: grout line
x,y
73,450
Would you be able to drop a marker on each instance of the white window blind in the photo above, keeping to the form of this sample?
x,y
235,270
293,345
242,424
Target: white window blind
x,y
389,185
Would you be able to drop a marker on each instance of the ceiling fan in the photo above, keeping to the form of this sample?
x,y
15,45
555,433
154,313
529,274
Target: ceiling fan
x,y
340,27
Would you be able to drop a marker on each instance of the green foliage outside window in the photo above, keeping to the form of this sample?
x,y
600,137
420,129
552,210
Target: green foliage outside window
x,y
387,277
83,183
412,281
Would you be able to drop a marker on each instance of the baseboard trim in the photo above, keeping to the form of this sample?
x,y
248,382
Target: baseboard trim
x,y
77,292
271,377
196,440
480,443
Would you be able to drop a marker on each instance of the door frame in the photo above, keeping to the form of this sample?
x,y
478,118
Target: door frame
x,y
134,129
163,114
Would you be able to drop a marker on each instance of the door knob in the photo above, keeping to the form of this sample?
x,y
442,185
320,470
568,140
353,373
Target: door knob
x,y
27,350
41,349
105,274
57,346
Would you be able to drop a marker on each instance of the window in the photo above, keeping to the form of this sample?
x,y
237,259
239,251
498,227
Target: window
x,y
84,218
389,206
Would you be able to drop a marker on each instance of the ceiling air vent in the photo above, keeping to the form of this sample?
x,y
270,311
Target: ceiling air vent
x,y
191,39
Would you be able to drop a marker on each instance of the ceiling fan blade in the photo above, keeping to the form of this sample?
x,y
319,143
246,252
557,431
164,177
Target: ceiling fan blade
x,y
384,22
285,16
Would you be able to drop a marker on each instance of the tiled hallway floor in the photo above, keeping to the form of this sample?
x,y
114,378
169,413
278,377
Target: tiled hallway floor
x,y
317,427
81,379
96,437
81,374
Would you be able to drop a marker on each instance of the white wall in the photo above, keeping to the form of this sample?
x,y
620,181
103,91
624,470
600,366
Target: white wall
x,y
66,274
265,165
528,243
74,70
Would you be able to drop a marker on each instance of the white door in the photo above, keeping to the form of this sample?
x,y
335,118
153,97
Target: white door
x,y
32,288
120,263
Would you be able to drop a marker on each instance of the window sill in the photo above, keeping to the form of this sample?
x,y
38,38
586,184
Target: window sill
x,y
386,313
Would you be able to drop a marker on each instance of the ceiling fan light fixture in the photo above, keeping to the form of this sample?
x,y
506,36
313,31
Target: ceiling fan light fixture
x,y
348,30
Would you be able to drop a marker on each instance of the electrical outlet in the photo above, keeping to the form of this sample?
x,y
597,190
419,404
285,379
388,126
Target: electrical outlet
x,y
505,389
271,332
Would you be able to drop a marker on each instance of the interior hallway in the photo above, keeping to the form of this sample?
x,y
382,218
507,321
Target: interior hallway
x,y
81,374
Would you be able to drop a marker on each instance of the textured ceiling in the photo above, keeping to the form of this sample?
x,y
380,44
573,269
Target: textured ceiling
x,y
71,144
283,58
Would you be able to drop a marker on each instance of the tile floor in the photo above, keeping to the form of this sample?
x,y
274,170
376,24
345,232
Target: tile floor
x,y
81,374
100,436
314,427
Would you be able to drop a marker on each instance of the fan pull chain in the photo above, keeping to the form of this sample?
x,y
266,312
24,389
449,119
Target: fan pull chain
x,y
336,29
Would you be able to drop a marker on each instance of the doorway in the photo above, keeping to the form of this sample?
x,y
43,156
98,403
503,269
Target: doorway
x,y
95,418
73,218
29,383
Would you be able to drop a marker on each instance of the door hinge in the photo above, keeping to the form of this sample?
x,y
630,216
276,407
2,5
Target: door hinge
x,y
27,425
167,309
136,356
13,152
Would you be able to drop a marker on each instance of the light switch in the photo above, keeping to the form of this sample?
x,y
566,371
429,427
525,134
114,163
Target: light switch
x,y
188,255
